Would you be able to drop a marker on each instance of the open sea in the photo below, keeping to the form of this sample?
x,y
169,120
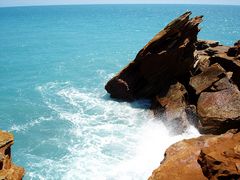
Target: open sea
x,y
54,63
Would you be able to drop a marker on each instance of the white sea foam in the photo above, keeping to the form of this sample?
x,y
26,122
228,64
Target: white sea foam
x,y
109,139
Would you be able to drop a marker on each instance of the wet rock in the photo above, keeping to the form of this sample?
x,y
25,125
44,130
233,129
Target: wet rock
x,y
219,111
172,108
206,79
181,158
8,170
222,160
168,55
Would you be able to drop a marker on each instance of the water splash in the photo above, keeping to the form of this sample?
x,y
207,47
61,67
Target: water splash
x,y
105,139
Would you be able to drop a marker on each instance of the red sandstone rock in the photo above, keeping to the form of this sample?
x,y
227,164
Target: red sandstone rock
x,y
181,158
168,55
7,169
222,160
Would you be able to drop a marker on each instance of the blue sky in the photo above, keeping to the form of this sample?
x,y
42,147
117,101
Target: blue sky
x,y
54,2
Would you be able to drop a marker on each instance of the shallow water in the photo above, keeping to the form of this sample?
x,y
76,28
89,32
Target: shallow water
x,y
55,62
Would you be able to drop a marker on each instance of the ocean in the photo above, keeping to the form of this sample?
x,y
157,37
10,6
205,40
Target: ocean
x,y
54,63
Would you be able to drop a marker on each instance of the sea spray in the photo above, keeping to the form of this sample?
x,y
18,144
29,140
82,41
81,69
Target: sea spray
x,y
106,139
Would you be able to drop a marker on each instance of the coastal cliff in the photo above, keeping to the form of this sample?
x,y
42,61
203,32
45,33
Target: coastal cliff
x,y
8,170
189,81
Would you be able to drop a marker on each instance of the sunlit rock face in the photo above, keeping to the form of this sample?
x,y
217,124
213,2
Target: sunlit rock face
x,y
8,170
202,158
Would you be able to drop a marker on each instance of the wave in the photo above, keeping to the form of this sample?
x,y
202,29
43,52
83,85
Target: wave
x,y
103,139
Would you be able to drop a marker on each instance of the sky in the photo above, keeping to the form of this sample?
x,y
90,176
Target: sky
x,y
5,3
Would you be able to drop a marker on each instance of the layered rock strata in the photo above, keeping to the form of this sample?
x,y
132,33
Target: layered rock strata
x,y
168,55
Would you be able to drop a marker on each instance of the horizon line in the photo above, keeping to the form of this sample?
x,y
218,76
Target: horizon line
x,y
74,4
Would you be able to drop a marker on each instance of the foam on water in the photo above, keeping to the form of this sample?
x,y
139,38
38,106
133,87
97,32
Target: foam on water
x,y
107,139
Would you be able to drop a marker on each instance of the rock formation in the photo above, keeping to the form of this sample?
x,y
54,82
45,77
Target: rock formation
x,y
168,55
190,81
216,84
8,170
202,158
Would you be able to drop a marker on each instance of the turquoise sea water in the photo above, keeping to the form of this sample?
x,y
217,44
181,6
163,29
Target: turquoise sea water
x,y
54,63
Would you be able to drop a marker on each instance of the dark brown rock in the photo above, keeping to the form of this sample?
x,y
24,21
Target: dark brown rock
x,y
204,44
234,51
229,63
219,111
8,170
168,55
222,160
172,108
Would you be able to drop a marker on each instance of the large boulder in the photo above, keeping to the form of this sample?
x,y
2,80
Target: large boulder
x,y
8,170
219,111
182,158
167,56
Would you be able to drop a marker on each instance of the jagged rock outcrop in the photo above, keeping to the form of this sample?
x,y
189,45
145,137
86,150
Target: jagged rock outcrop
x,y
186,78
8,170
168,55
201,158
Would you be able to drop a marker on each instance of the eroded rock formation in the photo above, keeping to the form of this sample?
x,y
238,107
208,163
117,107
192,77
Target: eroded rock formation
x,y
8,170
186,78
189,81
168,55
202,158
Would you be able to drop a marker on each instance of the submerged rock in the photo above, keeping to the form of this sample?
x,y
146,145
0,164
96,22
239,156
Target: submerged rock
x,y
168,55
202,158
8,170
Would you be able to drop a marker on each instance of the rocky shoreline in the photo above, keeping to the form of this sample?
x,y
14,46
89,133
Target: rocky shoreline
x,y
8,170
189,81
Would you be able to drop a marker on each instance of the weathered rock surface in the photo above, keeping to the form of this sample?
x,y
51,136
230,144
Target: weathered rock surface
x,y
215,83
219,111
208,72
181,159
8,170
206,79
222,160
172,107
168,55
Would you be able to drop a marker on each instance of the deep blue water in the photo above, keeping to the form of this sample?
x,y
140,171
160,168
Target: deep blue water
x,y
54,63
